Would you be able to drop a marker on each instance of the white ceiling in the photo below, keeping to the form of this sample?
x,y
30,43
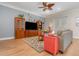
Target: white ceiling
x,y
33,7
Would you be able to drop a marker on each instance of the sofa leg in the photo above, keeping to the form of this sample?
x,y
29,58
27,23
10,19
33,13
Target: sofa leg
x,y
61,52
71,42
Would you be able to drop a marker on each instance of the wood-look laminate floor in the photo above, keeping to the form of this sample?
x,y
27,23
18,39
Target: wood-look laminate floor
x,y
20,48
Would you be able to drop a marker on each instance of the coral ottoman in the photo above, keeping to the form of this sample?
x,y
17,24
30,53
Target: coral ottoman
x,y
51,44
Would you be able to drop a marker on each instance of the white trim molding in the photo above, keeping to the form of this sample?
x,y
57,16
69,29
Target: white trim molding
x,y
7,38
75,37
19,9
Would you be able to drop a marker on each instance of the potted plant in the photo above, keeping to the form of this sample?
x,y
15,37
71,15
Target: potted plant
x,y
21,16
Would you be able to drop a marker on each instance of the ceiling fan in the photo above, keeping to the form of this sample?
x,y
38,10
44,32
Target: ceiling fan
x,y
47,6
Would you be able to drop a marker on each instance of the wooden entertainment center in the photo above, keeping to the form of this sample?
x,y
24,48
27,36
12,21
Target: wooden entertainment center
x,y
30,33
21,32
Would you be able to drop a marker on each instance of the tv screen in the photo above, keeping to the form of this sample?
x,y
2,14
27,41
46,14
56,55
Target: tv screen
x,y
30,26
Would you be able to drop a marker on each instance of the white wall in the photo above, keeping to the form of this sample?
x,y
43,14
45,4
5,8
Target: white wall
x,y
73,15
65,20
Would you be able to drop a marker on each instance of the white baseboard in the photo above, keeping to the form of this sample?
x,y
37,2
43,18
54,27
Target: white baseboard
x,y
7,38
76,37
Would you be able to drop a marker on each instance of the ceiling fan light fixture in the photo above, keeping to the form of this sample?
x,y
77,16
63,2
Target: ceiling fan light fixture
x,y
47,11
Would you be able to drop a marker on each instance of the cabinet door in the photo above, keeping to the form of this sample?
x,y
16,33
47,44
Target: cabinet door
x,y
30,33
26,33
20,34
19,28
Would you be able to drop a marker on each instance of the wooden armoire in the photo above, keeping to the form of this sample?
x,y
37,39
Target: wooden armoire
x,y
19,28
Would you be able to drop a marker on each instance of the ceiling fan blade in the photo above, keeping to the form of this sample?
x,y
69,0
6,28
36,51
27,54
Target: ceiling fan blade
x,y
40,7
50,5
44,4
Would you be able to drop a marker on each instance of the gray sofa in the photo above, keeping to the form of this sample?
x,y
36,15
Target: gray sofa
x,y
65,39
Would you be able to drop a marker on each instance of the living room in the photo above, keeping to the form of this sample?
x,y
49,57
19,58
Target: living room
x,y
25,25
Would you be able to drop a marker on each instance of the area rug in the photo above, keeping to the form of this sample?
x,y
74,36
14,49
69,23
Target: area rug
x,y
35,43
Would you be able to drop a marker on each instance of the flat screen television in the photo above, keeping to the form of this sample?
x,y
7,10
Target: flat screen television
x,y
30,26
